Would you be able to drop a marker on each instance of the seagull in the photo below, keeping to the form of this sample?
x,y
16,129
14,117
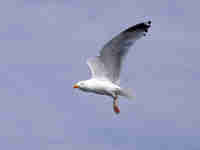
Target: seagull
x,y
105,69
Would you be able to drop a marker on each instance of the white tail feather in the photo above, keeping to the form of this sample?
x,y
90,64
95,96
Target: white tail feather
x,y
128,93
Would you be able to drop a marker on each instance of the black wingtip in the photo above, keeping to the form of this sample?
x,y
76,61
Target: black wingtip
x,y
141,26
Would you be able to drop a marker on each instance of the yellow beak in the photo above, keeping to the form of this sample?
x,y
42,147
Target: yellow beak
x,y
75,86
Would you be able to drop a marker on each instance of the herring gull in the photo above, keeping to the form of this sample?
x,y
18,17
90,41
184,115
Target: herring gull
x,y
105,68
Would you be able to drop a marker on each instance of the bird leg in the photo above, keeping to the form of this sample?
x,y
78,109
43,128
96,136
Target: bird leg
x,y
115,105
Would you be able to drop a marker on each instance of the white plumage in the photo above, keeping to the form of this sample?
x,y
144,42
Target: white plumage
x,y
105,69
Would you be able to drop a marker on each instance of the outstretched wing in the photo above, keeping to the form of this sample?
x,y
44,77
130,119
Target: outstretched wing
x,y
108,64
97,68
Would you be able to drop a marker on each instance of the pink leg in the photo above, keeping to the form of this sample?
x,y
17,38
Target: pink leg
x,y
115,106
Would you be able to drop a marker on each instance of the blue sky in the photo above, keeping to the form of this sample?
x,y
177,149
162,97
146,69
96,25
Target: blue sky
x,y
44,46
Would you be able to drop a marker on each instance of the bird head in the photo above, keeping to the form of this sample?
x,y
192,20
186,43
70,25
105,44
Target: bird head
x,y
80,84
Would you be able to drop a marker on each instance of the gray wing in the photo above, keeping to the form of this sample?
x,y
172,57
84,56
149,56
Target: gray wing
x,y
97,68
108,64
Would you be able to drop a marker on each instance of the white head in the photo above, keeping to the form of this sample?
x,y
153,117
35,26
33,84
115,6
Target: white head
x,y
80,85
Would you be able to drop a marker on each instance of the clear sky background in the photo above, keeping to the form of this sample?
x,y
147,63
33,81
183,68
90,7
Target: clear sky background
x,y
43,49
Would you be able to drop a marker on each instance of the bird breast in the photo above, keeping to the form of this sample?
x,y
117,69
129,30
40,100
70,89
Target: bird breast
x,y
102,87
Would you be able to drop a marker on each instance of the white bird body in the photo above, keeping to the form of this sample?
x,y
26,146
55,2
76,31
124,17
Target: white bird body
x,y
105,69
103,87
